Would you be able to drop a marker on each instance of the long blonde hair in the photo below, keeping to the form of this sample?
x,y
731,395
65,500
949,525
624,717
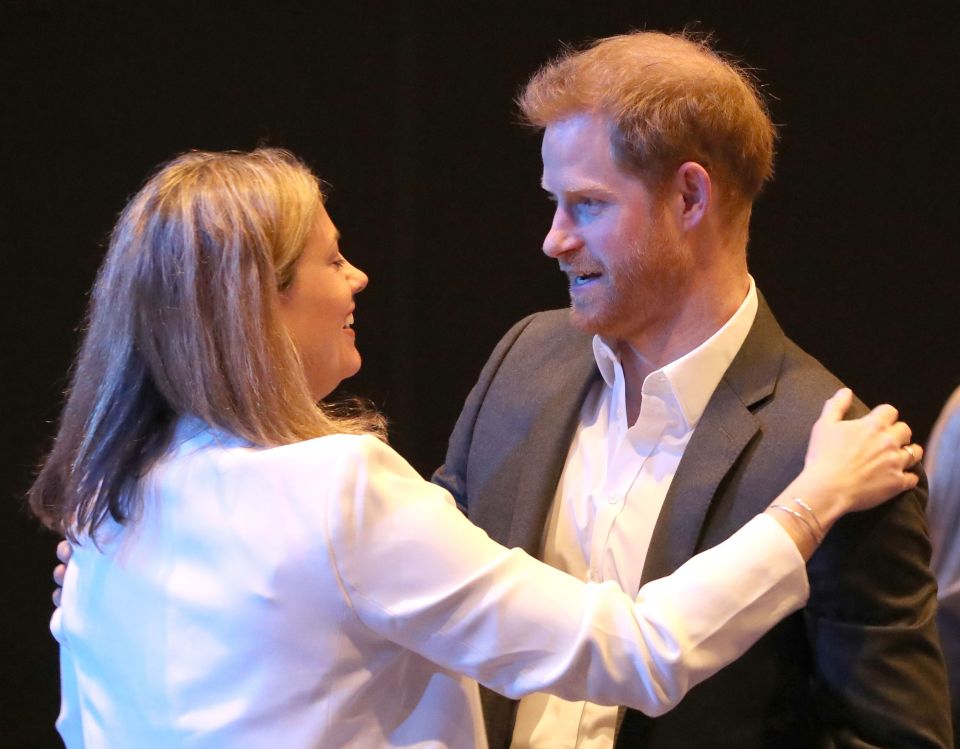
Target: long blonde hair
x,y
183,320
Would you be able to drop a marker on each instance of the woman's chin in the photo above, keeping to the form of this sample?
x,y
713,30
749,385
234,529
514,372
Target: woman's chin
x,y
352,364
322,385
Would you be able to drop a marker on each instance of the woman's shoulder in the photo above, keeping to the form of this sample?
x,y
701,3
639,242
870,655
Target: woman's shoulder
x,y
343,451
337,464
349,484
347,465
194,439
276,490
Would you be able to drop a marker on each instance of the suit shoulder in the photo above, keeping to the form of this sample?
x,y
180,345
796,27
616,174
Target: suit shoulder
x,y
547,331
800,365
550,321
805,383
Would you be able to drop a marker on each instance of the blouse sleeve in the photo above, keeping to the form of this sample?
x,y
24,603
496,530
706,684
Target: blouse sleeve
x,y
420,574
69,724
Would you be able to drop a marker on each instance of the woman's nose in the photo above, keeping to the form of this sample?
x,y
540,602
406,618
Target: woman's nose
x,y
358,279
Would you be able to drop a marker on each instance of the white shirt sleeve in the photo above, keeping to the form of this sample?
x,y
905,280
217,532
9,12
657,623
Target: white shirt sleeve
x,y
416,571
69,722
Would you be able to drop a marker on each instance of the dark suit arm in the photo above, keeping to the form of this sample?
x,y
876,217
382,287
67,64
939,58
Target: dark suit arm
x,y
452,475
871,622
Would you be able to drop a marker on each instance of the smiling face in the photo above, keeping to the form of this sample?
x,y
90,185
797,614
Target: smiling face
x,y
317,309
611,234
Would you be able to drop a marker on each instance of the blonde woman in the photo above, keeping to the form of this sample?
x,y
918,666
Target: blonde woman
x,y
251,570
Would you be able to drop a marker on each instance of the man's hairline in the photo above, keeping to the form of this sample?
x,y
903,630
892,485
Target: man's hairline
x,y
655,183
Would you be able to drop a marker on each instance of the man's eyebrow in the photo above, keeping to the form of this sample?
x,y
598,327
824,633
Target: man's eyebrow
x,y
581,187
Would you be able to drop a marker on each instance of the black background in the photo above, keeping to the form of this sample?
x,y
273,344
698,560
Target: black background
x,y
406,110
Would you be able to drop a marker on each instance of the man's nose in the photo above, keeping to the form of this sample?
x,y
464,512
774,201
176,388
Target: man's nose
x,y
561,237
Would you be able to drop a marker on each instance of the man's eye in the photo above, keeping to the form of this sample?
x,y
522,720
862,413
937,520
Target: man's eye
x,y
589,206
339,263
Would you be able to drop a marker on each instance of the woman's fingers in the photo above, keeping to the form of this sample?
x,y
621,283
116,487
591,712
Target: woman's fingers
x,y
901,433
64,551
58,573
885,415
912,454
909,479
836,406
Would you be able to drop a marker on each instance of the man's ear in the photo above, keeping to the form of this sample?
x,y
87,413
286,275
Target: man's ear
x,y
692,185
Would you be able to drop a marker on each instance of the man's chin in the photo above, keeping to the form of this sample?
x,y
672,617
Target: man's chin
x,y
588,321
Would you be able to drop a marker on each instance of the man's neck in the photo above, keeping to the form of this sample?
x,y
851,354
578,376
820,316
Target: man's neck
x,y
696,320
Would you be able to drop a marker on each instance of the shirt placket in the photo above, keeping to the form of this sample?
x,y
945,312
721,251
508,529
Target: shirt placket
x,y
629,450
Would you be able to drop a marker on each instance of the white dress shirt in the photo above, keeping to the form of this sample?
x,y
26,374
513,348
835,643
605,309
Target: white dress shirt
x,y
322,594
609,496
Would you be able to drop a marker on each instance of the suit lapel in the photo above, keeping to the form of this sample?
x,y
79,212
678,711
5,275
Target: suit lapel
x,y
724,431
546,447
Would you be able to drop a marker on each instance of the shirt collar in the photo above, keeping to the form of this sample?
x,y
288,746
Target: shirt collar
x,y
695,375
192,432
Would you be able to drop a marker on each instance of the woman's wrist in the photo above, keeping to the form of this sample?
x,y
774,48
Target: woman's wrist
x,y
807,510
801,538
825,501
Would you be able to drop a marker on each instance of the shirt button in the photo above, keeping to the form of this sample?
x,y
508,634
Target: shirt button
x,y
613,499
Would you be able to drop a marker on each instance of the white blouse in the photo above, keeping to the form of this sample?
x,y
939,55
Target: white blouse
x,y
322,594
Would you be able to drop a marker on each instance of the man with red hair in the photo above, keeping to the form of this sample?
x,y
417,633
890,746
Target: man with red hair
x,y
650,421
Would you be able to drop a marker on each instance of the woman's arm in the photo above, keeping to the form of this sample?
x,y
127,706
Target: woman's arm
x,y
418,573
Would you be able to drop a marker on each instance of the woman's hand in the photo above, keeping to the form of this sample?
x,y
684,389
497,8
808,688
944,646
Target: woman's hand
x,y
850,465
865,461
64,551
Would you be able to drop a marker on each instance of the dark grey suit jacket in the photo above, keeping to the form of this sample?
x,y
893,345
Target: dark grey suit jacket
x,y
859,667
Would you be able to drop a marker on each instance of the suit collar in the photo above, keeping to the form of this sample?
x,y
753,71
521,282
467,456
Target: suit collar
x,y
754,371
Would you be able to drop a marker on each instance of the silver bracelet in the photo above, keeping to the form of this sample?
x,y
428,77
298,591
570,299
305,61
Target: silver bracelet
x,y
816,536
809,509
